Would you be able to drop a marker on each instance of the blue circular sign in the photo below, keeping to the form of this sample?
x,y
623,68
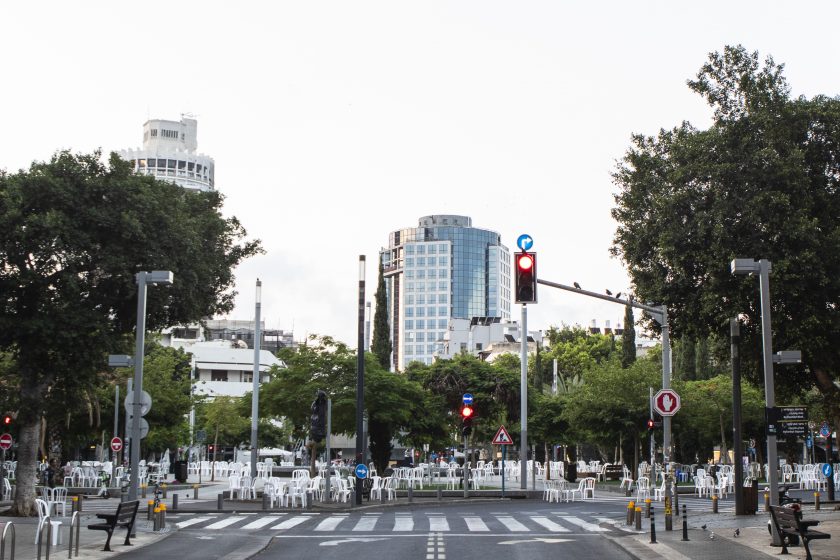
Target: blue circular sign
x,y
361,471
524,242
468,398
825,430
808,442
827,470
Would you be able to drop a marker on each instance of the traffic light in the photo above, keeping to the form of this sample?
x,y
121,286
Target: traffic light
x,y
467,413
525,268
651,424
318,418
7,420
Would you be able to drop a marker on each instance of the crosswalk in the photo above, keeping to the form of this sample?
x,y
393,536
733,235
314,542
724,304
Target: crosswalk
x,y
322,523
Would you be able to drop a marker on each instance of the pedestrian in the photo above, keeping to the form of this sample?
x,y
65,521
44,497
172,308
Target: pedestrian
x,y
49,474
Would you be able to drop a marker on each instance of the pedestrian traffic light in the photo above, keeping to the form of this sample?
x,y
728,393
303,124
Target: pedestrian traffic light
x,y
651,424
525,268
7,420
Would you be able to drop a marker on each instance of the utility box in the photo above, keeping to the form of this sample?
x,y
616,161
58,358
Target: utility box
x,y
750,496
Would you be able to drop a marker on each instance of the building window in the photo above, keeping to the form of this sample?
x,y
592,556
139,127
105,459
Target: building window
x,y
218,375
154,132
409,324
420,324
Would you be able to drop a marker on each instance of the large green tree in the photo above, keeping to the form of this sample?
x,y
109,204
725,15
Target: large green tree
x,y
761,182
75,233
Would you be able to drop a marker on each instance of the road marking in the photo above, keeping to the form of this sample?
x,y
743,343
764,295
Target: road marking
x,y
289,523
583,524
549,524
476,524
193,521
366,524
224,522
520,541
330,523
437,524
261,522
404,524
512,524
353,539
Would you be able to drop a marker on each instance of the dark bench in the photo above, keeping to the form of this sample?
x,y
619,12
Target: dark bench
x,y
789,523
614,472
123,517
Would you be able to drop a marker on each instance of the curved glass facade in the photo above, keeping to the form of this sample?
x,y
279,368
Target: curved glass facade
x,y
442,269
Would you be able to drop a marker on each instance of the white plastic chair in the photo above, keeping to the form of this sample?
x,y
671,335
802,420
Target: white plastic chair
x,y
588,488
43,515
235,486
570,493
58,498
642,488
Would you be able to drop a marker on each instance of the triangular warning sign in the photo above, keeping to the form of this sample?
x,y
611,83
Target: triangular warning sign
x,y
502,437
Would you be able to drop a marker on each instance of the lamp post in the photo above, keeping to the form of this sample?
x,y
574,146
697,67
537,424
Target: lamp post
x,y
360,379
143,280
255,395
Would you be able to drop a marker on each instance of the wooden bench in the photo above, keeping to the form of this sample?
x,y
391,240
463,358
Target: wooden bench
x,y
123,517
789,523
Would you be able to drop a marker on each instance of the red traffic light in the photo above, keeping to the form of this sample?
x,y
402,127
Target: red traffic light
x,y
651,424
525,261
467,412
525,277
7,419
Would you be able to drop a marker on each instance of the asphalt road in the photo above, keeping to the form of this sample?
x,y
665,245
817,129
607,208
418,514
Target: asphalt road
x,y
468,531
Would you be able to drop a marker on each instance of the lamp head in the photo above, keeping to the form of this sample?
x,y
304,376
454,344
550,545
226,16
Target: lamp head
x,y
744,266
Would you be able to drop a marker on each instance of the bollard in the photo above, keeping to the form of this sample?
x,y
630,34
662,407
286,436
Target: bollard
x,y
150,507
817,501
652,527
265,500
685,525
714,504
79,504
156,520
162,517
647,508
142,490
410,494
175,501
627,491
163,486
766,500
631,508
75,505
220,501
195,491
638,518
440,494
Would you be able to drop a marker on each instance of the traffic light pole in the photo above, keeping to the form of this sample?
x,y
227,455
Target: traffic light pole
x,y
360,378
523,402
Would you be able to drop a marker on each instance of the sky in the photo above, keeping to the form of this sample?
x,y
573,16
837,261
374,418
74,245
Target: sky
x,y
333,123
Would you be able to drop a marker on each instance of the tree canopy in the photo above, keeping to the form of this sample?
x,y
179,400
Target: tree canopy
x,y
76,231
761,182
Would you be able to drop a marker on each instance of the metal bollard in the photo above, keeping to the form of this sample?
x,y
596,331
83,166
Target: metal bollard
x,y
766,500
714,504
75,505
142,490
156,520
195,491
638,518
631,508
220,501
439,494
164,488
647,508
652,527
685,525
175,501
162,517
411,494
265,500
150,508
817,501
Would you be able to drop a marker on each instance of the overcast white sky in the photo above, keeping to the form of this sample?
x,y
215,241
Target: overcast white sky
x,y
333,123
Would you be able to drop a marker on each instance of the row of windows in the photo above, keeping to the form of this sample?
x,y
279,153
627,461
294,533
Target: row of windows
x,y
421,299
441,248
420,336
172,164
412,349
427,311
423,261
440,285
422,274
420,324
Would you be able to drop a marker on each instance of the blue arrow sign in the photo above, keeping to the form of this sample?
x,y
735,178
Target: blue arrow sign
x,y
825,431
361,471
827,470
468,398
808,443
525,242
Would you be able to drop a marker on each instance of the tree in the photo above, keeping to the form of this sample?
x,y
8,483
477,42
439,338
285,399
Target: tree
x,y
761,182
76,231
628,338
381,345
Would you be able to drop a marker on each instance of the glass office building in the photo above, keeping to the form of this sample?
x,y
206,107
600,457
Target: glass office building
x,y
442,269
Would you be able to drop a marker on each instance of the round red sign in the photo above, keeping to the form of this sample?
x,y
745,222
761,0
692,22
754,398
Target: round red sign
x,y
116,444
6,441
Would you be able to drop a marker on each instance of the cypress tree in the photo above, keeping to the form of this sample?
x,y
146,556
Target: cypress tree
x,y
628,338
381,345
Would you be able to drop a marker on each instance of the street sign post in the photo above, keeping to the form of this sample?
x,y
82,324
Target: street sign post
x,y
666,402
116,444
503,438
6,441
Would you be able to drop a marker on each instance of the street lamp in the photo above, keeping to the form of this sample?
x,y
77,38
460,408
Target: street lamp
x,y
762,268
143,280
360,380
255,396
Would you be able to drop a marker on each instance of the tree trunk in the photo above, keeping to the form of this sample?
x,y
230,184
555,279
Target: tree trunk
x,y
24,504
313,450
215,451
547,462
636,445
